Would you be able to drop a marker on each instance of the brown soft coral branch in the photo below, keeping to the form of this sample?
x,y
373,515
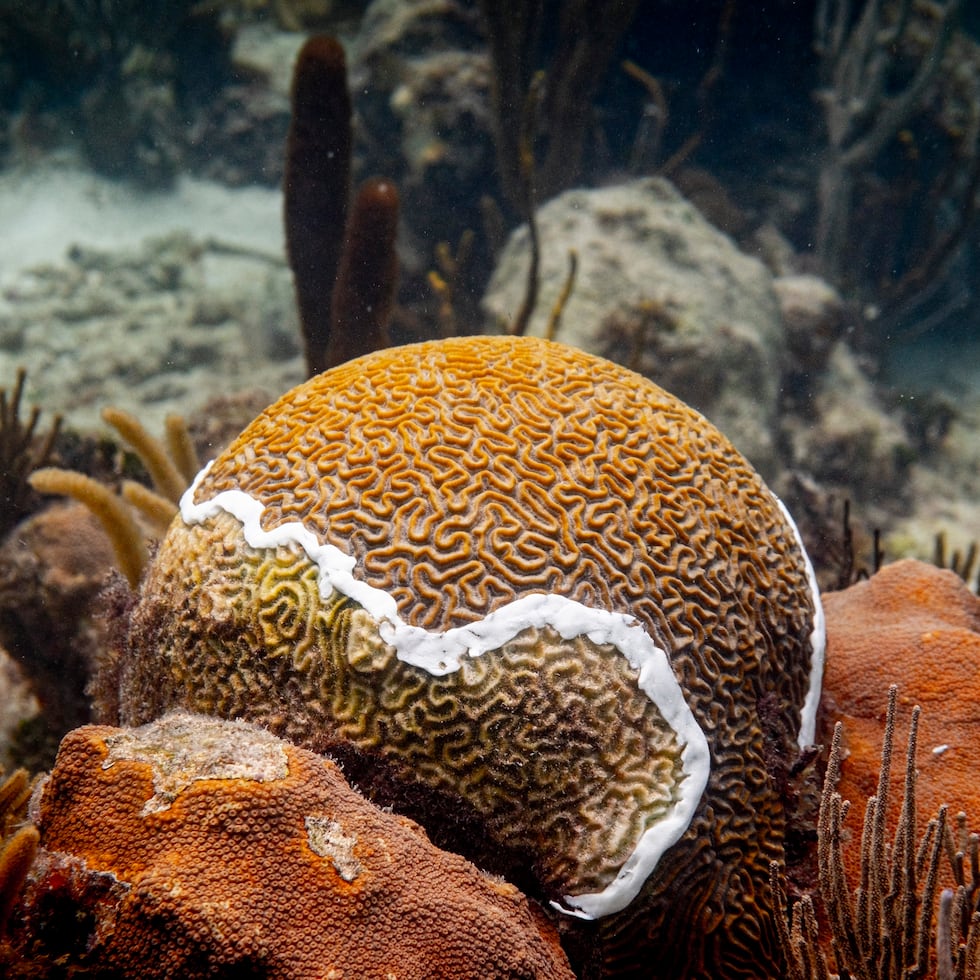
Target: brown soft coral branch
x,y
364,291
21,452
316,186
344,264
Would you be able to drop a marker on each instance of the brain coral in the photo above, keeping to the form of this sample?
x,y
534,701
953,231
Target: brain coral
x,y
521,590
194,847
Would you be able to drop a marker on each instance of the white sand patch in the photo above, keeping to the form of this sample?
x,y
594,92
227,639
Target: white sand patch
x,y
46,211
152,301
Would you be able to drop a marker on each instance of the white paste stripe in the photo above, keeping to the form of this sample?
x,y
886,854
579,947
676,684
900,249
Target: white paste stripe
x,y
818,643
441,653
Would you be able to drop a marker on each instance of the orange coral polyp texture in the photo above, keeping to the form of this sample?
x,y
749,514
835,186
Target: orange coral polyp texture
x,y
193,848
406,461
522,577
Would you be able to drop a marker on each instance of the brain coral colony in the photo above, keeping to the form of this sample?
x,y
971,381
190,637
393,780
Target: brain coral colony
x,y
527,597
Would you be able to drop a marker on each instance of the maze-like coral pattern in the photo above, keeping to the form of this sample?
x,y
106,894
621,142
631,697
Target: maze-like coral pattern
x,y
552,740
463,474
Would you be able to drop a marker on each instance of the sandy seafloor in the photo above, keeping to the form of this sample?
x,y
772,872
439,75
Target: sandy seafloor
x,y
225,322
54,206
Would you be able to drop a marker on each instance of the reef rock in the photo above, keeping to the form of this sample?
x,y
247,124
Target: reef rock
x,y
662,291
198,848
813,317
52,566
849,441
18,705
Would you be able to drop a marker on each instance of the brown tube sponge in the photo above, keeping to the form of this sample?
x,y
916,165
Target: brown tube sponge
x,y
368,278
317,185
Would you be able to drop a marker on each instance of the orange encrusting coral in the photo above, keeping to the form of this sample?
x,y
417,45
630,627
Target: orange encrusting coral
x,y
212,846
916,626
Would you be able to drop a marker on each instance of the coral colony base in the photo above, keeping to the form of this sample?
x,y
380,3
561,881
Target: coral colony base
x,y
528,598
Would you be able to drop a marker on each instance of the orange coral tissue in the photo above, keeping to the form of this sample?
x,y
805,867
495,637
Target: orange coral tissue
x,y
194,847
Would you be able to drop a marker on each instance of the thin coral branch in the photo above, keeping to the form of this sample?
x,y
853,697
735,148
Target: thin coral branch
x,y
650,133
156,509
933,843
862,112
964,564
783,935
447,280
944,937
833,883
180,447
799,941
14,793
583,38
971,955
887,928
21,451
528,198
18,844
902,896
514,34
165,475
588,34
558,308
16,856
167,465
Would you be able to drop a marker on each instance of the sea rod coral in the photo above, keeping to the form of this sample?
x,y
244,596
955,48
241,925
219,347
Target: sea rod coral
x,y
882,921
529,598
